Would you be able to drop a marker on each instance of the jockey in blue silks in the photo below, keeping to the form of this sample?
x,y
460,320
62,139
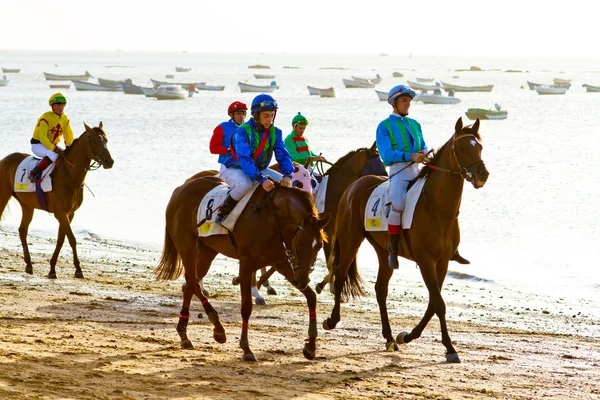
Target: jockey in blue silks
x,y
252,147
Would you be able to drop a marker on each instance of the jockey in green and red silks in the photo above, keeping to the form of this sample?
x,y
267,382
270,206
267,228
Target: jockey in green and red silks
x,y
253,145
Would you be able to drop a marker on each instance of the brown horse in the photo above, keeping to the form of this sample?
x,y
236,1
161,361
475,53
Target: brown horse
x,y
280,228
67,190
431,241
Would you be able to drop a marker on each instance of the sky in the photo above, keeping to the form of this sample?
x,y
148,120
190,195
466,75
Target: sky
x,y
420,27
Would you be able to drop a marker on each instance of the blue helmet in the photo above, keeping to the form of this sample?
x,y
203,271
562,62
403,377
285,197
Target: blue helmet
x,y
399,90
263,102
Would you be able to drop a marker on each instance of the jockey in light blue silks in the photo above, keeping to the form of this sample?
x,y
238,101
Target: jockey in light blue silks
x,y
253,145
401,145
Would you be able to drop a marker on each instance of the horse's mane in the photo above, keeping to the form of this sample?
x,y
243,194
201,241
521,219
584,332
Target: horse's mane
x,y
343,160
305,198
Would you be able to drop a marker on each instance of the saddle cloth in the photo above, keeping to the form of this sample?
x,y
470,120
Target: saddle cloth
x,y
22,182
379,204
321,191
207,211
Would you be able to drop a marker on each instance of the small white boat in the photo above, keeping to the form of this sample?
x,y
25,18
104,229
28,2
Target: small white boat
x,y
54,77
182,69
263,76
591,88
550,90
423,80
94,87
184,85
448,87
4,81
329,92
352,84
11,70
436,98
422,86
375,80
397,74
149,92
313,91
171,92
60,85
215,88
558,81
383,96
246,87
497,116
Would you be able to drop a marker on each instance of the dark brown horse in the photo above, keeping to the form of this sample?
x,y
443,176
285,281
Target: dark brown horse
x,y
67,190
286,213
432,240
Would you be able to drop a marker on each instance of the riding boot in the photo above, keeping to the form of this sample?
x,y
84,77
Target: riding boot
x,y
36,173
393,249
227,206
459,259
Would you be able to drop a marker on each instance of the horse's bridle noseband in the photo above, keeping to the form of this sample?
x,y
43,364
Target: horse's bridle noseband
x,y
465,170
96,157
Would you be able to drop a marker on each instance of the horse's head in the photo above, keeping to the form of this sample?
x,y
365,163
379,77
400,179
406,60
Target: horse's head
x,y
466,151
373,165
306,245
98,146
360,162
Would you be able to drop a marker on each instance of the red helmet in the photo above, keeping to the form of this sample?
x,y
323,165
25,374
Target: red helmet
x,y
237,106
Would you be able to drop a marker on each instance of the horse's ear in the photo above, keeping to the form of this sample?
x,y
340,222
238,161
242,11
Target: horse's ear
x,y
459,125
324,219
87,128
100,126
475,127
374,147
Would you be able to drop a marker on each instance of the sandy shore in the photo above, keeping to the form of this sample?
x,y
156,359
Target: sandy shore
x,y
112,336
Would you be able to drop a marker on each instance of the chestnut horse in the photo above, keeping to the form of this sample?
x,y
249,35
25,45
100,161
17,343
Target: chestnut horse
x,y
67,190
432,240
280,228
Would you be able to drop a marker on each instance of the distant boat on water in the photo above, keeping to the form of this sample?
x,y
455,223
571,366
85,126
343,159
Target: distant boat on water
x,y
263,76
11,70
4,81
171,92
258,66
383,96
448,87
397,74
591,88
129,88
326,92
184,85
422,86
375,80
245,87
182,69
93,87
352,84
550,90
108,82
54,77
60,86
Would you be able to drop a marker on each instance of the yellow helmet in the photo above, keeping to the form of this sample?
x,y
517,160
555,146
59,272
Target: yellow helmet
x,y
57,98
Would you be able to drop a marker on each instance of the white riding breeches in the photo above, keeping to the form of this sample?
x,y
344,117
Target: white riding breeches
x,y
42,151
240,183
398,184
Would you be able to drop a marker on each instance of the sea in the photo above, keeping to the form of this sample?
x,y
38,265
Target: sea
x,y
531,233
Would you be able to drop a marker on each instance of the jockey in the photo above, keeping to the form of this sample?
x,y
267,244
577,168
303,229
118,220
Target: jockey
x,y
51,126
221,138
253,146
401,145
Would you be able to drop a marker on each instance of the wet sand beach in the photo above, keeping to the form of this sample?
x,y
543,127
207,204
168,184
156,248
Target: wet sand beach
x,y
112,336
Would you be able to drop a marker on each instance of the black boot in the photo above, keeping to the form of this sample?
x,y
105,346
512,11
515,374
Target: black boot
x,y
225,209
459,259
393,249
36,173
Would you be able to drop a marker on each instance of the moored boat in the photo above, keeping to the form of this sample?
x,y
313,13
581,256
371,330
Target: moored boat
x,y
328,92
216,88
264,76
258,66
375,80
383,96
482,113
149,92
60,85
182,69
397,74
108,82
55,77
132,89
184,85
550,90
591,88
171,92
246,87
93,87
4,81
352,84
448,87
313,91
423,80
422,86
11,70
437,98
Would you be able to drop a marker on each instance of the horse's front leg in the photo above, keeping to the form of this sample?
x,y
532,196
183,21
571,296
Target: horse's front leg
x,y
245,279
310,347
59,244
26,217
65,226
381,291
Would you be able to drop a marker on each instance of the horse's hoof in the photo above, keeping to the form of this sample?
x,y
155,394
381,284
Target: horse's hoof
x,y
79,274
391,346
400,337
220,337
453,358
326,325
260,301
271,291
51,275
319,287
29,270
309,354
235,281
187,344
249,357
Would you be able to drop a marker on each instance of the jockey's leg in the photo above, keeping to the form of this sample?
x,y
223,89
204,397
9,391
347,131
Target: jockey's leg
x,y
240,184
404,172
48,157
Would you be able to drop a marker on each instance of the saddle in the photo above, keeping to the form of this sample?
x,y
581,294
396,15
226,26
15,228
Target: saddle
x,y
207,211
22,182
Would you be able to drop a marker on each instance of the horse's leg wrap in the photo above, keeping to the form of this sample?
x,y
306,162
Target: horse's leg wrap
x,y
186,343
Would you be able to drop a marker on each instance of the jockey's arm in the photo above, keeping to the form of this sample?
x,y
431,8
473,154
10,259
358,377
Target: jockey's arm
x,y
283,156
244,154
216,141
43,135
68,134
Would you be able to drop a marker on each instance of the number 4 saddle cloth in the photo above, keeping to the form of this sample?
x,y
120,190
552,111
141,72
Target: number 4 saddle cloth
x,y
22,182
379,204
209,207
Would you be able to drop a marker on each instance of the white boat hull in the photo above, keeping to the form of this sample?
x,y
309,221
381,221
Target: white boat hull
x,y
367,80
422,86
436,99
212,88
351,84
171,92
329,92
4,82
262,76
93,87
448,87
313,91
54,77
245,87
383,96
550,90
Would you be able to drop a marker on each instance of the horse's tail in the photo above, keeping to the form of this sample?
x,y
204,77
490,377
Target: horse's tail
x,y
169,267
353,285
5,186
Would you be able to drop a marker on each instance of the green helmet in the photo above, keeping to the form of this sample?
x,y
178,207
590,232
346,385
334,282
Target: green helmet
x,y
57,98
299,119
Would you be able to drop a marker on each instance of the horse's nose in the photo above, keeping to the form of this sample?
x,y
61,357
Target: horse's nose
x,y
109,164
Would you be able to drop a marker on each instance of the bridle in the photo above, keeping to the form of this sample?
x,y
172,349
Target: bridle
x,y
463,171
96,157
